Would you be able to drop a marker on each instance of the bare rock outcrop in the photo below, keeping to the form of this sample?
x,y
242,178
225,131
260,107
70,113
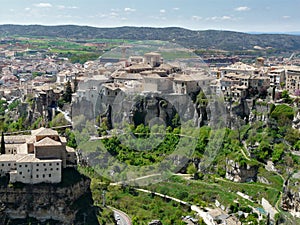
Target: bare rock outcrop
x,y
66,203
240,173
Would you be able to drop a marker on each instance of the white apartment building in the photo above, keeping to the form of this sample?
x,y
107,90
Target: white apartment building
x,y
293,79
32,170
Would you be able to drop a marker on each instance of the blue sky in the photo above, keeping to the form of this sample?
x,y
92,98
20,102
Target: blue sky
x,y
238,15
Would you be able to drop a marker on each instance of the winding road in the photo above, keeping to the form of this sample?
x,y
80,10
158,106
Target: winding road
x,y
121,217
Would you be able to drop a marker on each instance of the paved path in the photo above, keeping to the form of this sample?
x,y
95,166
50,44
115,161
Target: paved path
x,y
164,196
136,179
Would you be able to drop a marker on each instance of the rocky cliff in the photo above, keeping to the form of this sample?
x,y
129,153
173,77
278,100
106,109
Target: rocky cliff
x,y
69,202
291,198
240,173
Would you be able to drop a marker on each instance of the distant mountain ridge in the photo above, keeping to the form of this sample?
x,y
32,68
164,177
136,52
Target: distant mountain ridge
x,y
207,39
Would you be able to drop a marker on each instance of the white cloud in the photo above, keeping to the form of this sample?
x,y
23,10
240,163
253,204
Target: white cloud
x,y
27,9
114,14
225,18
242,9
66,7
101,15
43,5
219,18
286,17
196,17
129,10
176,9
116,10
162,11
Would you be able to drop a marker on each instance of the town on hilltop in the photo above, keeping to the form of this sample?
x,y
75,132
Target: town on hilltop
x,y
58,114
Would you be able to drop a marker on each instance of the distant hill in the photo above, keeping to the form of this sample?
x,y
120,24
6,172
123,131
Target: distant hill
x,y
208,39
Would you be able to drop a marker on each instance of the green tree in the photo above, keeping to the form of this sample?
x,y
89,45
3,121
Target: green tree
x,y
286,97
201,99
191,169
297,146
263,151
283,114
277,152
71,138
176,121
59,120
292,136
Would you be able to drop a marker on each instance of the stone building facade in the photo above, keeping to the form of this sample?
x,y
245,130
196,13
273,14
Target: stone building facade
x,y
36,158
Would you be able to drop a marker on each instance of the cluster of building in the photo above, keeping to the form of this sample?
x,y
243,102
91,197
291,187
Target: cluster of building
x,y
240,80
38,73
141,74
149,74
36,158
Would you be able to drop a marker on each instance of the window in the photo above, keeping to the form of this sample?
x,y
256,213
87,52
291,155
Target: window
x,y
50,164
44,164
25,165
45,169
37,169
8,164
37,164
37,176
20,173
2,164
20,165
28,171
57,168
49,175
43,175
57,164
51,169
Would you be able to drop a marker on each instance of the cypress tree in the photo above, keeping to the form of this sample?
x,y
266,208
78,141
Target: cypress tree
x,y
68,93
2,144
75,84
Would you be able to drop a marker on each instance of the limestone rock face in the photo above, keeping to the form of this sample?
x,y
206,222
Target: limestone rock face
x,y
240,173
296,121
47,202
291,199
155,222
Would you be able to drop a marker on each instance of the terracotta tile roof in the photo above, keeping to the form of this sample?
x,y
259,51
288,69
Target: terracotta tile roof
x,y
11,157
43,132
47,142
32,158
